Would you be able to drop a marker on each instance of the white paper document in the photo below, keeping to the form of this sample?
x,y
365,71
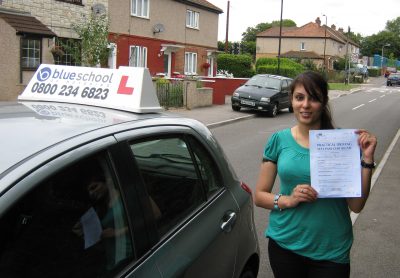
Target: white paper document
x,y
335,163
91,227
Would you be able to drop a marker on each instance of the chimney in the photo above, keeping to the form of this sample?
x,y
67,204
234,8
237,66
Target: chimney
x,y
341,29
318,21
333,26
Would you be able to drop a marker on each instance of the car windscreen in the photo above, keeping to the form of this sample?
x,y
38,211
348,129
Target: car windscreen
x,y
264,82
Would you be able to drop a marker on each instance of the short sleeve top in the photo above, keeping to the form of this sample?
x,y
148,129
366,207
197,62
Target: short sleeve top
x,y
321,230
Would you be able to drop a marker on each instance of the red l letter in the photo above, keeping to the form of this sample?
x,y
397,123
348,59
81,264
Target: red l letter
x,y
122,89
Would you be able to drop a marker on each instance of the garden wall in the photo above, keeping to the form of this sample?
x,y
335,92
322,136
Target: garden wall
x,y
222,87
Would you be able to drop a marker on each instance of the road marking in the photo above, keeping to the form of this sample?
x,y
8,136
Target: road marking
x,y
378,170
382,95
354,108
372,100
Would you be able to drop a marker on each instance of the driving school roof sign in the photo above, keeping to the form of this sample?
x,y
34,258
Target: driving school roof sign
x,y
127,88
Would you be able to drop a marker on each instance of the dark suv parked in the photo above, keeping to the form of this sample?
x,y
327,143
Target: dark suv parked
x,y
263,92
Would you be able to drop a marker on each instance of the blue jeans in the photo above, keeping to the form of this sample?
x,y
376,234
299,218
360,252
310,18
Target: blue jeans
x,y
286,264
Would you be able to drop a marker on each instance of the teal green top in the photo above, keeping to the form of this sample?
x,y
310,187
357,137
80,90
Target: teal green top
x,y
321,230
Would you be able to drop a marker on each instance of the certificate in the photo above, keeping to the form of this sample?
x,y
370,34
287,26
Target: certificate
x,y
335,163
91,227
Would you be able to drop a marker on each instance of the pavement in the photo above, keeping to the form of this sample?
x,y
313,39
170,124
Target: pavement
x,y
375,252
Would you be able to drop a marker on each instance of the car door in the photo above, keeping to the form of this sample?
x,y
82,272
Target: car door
x,y
193,212
67,217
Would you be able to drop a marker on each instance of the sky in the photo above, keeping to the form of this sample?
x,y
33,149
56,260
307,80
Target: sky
x,y
363,16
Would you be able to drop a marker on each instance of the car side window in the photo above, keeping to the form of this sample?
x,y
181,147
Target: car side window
x,y
285,85
178,181
209,171
71,225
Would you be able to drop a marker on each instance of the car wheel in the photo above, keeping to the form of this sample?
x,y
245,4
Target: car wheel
x,y
291,109
235,108
274,111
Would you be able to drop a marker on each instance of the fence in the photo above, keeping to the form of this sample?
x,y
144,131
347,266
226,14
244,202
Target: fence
x,y
380,61
170,93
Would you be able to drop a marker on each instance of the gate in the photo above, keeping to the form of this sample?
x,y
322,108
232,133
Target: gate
x,y
170,93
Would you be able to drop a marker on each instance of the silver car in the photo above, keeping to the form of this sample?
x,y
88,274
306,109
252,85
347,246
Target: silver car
x,y
88,191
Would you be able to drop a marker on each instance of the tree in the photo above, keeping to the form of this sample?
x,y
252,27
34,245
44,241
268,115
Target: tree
x,y
93,33
221,46
357,38
251,32
393,26
373,44
391,35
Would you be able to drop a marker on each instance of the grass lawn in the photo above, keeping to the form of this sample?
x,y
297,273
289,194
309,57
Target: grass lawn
x,y
342,86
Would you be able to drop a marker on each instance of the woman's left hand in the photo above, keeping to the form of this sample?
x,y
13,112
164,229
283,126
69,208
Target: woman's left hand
x,y
367,142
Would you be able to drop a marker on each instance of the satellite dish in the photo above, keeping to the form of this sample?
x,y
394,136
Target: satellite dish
x,y
98,9
158,28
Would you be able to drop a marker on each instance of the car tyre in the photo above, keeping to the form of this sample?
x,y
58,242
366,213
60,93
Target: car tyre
x,y
235,108
274,111
291,109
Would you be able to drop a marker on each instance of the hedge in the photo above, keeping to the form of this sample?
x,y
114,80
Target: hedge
x,y
284,70
374,72
287,67
238,65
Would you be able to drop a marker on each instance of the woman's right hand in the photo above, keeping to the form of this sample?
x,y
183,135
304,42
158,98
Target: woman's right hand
x,y
302,193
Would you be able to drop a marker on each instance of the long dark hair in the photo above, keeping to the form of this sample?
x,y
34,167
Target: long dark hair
x,y
317,87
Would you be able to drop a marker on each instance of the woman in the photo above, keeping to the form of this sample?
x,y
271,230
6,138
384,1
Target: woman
x,y
308,237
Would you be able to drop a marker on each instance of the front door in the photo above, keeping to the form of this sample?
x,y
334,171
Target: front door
x,y
167,69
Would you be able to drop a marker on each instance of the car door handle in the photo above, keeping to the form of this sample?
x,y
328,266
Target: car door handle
x,y
228,221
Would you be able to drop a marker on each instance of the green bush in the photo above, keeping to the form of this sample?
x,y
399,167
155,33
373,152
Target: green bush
x,y
283,62
161,81
284,70
287,67
374,72
238,65
336,76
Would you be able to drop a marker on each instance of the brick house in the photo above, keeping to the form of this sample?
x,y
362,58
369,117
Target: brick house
x,y
168,37
29,32
308,42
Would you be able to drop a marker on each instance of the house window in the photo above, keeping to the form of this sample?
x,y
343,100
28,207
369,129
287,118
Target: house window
x,y
190,63
140,8
302,46
192,19
138,56
66,52
30,53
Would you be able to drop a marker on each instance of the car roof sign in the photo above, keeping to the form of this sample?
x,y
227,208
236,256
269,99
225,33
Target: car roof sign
x,y
127,88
